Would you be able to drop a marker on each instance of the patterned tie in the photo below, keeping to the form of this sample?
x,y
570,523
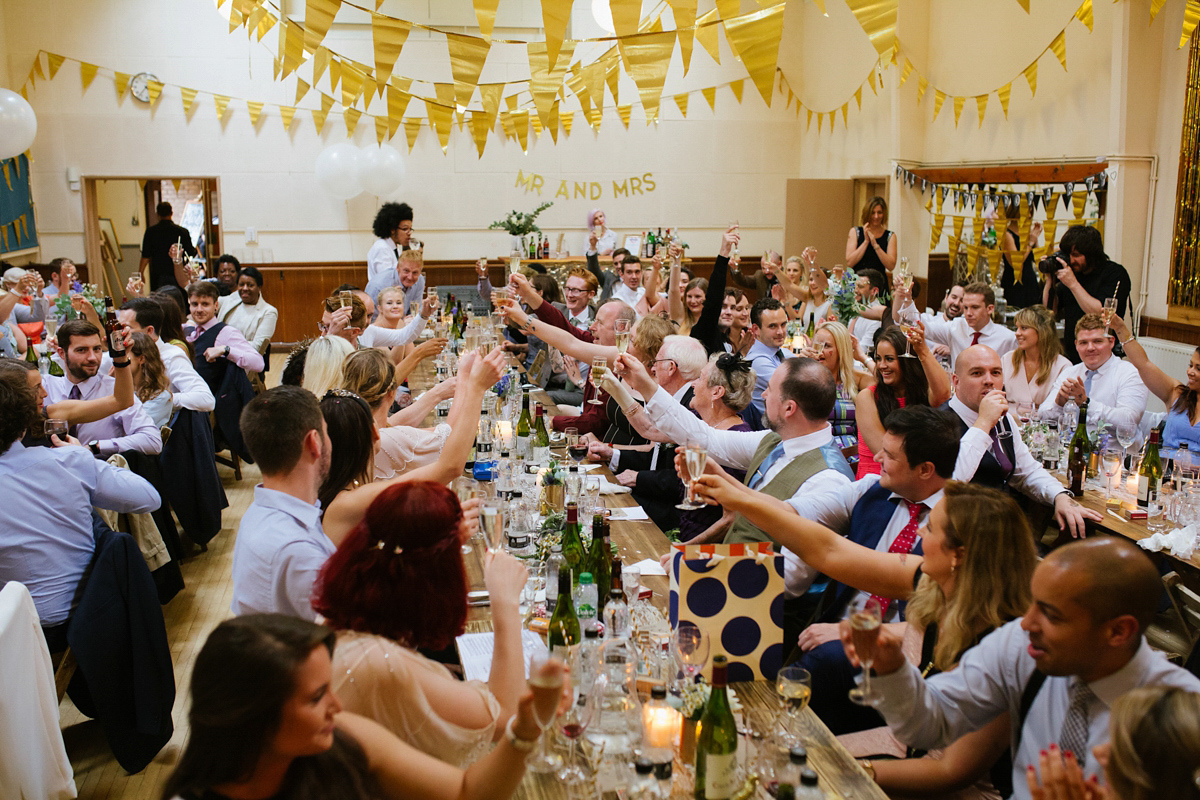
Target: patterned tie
x,y
1074,735
74,394
1087,381
975,337
903,544
760,474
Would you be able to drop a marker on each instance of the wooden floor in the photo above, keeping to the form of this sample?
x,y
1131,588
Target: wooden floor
x,y
190,616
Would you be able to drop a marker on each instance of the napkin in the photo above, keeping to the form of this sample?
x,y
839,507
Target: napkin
x,y
629,513
650,566
1181,542
608,487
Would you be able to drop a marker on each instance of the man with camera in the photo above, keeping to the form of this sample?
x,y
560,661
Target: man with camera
x,y
1080,277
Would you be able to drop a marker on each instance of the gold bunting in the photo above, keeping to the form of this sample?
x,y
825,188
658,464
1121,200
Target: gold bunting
x,y
7,176
320,63
318,16
552,122
287,114
301,89
87,73
555,16
706,34
485,15
993,264
154,90
37,66
936,233
972,259
467,56
255,110
626,14
1024,5
319,119
1004,93
277,68
506,124
1050,231
710,94
397,103
728,9
440,119
684,12
981,101
54,62
939,97
176,182
221,102
845,112
908,68
612,77
1078,199
189,99
755,38
326,103
1030,74
821,7
1155,7
647,57
878,19
1084,14
820,121
490,95
121,80
544,82
335,73
445,95
520,122
412,128
479,126
681,100
808,124
291,46
567,120
1059,48
1191,16
958,226
352,84
536,125
381,130
922,85
265,23
977,229
858,97
350,116
736,87
511,102
871,81
389,36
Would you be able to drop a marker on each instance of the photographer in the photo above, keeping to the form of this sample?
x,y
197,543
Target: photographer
x,y
1084,278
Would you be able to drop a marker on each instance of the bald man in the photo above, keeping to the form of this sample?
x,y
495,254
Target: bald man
x,y
1056,671
992,452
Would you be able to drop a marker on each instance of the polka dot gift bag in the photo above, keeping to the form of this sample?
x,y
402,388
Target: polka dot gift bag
x,y
734,593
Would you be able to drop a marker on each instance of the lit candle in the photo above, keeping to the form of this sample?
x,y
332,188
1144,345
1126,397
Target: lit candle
x,y
662,726
504,432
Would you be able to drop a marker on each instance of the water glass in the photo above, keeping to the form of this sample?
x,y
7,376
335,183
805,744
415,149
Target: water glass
x,y
631,581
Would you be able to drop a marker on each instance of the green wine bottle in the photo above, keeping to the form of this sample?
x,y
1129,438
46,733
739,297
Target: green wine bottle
x,y
599,562
1150,474
55,369
540,443
524,429
1079,453
564,624
574,552
31,355
716,741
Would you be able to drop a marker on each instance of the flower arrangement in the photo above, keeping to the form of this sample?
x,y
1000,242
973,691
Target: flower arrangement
x,y
694,697
62,305
518,223
845,304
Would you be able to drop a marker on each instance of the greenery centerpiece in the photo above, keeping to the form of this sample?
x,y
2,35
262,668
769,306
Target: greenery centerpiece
x,y
520,224
552,490
62,304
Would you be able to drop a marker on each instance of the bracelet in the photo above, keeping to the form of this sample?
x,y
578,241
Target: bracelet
x,y
868,767
120,363
519,744
1132,336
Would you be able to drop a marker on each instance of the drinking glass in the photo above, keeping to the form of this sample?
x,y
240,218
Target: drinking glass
x,y
1024,414
57,427
574,722
51,326
546,682
499,298
1126,435
535,581
1053,448
1111,459
1109,310
591,488
345,299
623,331
576,449
465,489
794,687
491,520
694,458
907,318
690,646
631,581
599,368
864,631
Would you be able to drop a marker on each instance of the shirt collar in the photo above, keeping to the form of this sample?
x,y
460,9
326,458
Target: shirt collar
x,y
928,502
1130,676
307,515
959,407
798,445
86,388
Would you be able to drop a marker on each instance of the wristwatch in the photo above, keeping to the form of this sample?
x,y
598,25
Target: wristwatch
x,y
519,744
94,446
227,351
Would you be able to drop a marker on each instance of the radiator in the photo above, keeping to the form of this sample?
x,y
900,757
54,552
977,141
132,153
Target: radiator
x,y
1171,357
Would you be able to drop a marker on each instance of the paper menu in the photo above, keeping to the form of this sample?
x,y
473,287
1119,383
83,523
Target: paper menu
x,y
475,652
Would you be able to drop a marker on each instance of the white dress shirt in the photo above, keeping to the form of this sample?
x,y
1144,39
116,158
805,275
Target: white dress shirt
x,y
279,550
48,542
1117,395
631,296
188,389
1029,477
382,256
1017,387
957,335
131,429
737,449
833,509
257,322
581,320
764,360
990,680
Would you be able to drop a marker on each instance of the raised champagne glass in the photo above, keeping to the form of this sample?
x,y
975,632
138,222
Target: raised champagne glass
x,y
599,368
864,632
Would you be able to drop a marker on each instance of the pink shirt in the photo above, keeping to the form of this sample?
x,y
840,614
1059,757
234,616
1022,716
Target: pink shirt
x,y
241,352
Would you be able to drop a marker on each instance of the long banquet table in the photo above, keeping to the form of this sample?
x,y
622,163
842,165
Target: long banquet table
x,y
840,774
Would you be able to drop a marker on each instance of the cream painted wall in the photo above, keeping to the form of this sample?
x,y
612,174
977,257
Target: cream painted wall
x,y
121,201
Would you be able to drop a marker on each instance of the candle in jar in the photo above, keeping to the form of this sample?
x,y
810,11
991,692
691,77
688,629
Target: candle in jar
x,y
662,726
504,432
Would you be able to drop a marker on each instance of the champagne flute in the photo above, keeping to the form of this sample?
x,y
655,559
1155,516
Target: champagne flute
x,y
1111,460
907,318
1109,310
465,489
690,645
345,299
1126,435
864,632
694,458
794,687
623,332
546,683
599,368
491,519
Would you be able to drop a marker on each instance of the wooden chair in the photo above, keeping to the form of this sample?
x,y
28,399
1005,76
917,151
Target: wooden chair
x,y
1176,630
64,669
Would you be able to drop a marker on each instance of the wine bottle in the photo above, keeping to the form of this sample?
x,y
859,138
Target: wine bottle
x,y
1150,474
524,429
54,369
564,624
599,561
1078,453
574,553
31,355
540,441
716,744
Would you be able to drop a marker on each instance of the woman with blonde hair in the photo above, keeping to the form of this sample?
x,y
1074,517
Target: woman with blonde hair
x,y
323,364
1036,364
835,350
150,380
816,308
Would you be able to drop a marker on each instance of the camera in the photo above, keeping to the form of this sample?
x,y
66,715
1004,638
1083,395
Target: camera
x,y
1049,265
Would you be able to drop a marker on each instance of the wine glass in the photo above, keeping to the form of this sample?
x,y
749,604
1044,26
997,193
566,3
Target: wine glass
x,y
794,687
345,299
1111,459
1126,435
623,331
1109,310
864,631
599,368
546,683
690,645
591,488
576,449
694,457
1024,414
56,427
906,318
631,581
574,722
465,489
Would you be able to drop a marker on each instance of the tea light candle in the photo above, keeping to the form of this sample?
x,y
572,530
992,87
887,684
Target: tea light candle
x,y
504,432
662,726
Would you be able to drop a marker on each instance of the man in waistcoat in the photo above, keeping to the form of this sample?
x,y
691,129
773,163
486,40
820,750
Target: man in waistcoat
x,y
796,454
992,452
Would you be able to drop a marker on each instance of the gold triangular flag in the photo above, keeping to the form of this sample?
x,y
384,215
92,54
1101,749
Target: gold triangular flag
x,y
706,34
1078,199
319,119
567,121
265,23
684,12
221,102
318,16
929,202
858,97
871,81
389,36
1004,93
555,16
445,95
1084,14
506,123
544,82
755,38
958,226
845,112
939,97
623,112
922,85
7,175
236,20
255,109
809,123
37,66
981,101
647,56
291,47
412,128
54,62
154,90
301,89
1050,231
335,72
287,114
536,125
1059,48
381,129
1031,77
972,259
351,117
681,100
490,95
728,9
737,87
87,73
1155,7
440,119
278,67
612,77
820,122
520,122
710,94
977,229
821,6
320,63
1024,5
176,182
908,68
352,84
626,14
121,80
878,19
189,99
479,130
485,15
397,103
467,55
552,123
1191,16
511,102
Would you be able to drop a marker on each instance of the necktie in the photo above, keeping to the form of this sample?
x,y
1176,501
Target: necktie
x,y
998,451
1074,735
903,544
396,250
759,474
779,356
975,337
74,394
1087,381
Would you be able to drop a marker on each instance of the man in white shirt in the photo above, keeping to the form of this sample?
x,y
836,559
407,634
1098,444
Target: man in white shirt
x,y
869,286
768,323
406,274
974,327
1056,671
281,545
248,312
630,290
992,452
1112,386
188,389
579,290
393,227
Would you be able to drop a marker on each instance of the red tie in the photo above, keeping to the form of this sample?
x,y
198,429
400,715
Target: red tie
x,y
975,337
903,544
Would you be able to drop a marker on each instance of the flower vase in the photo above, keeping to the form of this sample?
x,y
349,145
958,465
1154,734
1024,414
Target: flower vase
x,y
553,499
687,741
518,245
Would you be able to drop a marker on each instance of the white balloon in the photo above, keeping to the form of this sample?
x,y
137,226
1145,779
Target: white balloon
x,y
337,171
18,124
380,169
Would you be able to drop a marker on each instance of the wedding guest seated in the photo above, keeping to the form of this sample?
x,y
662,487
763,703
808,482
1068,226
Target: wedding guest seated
x,y
834,349
62,278
1112,387
150,379
1182,424
247,311
1056,672
391,317
768,322
869,287
214,340
899,382
637,290
1037,363
385,602
952,303
763,280
49,543
81,348
992,452
188,390
227,275
975,326
406,274
816,308
74,412
264,721
352,323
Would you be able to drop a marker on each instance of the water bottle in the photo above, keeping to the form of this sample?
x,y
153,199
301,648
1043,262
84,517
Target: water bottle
x,y
809,788
644,787
589,658
1070,419
553,564
586,599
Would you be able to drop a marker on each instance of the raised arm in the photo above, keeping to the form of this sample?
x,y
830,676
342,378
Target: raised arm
x,y
866,413
426,349
558,338
632,410
854,250
939,381
675,307
707,329
414,414
1163,386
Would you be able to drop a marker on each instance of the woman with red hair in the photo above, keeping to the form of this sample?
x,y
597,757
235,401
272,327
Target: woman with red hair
x,y
397,583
